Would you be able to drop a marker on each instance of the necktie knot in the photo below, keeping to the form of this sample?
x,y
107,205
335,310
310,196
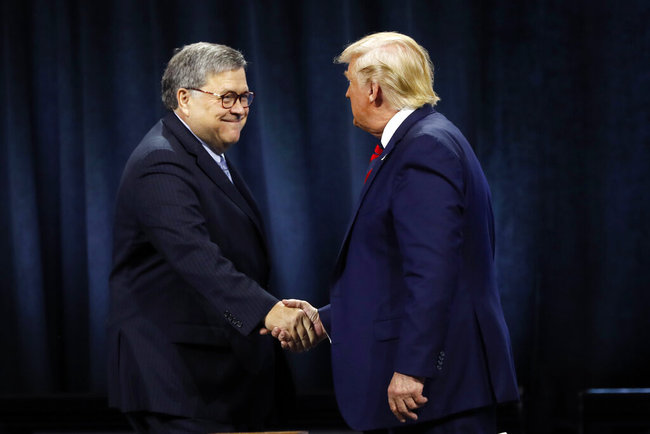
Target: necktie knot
x,y
378,150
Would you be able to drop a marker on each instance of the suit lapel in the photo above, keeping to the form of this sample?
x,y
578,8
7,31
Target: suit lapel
x,y
376,168
241,197
246,194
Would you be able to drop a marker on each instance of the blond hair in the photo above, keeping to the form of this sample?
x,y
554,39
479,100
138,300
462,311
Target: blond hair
x,y
400,66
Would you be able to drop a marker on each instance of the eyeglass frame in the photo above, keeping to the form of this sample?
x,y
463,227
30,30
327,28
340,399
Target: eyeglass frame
x,y
249,98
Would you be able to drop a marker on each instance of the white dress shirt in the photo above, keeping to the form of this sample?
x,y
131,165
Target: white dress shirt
x,y
393,124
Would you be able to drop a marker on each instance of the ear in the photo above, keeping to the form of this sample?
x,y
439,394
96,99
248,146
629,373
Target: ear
x,y
375,94
183,99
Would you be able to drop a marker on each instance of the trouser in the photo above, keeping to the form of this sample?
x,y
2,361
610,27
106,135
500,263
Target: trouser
x,y
477,421
145,422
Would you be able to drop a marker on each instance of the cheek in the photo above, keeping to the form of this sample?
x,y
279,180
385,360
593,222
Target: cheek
x,y
354,105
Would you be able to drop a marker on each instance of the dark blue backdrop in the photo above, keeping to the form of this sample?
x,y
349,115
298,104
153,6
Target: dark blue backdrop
x,y
552,94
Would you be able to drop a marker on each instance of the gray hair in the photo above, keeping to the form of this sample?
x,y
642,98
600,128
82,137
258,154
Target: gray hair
x,y
193,64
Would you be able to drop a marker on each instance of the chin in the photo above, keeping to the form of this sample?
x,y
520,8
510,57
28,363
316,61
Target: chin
x,y
227,144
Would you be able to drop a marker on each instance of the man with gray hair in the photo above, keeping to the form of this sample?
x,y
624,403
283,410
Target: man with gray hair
x,y
419,341
190,267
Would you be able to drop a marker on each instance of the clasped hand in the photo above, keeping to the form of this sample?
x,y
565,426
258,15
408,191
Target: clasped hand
x,y
296,324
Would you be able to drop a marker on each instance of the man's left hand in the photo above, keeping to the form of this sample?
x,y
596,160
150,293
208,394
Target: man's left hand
x,y
405,396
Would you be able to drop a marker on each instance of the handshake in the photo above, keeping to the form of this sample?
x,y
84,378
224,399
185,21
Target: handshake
x,y
296,324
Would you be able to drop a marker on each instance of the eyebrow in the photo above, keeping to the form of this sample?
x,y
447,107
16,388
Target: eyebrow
x,y
227,91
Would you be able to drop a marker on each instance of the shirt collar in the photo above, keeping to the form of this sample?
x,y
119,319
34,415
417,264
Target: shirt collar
x,y
393,124
214,155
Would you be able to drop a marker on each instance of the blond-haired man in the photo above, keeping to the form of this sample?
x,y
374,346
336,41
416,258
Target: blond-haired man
x,y
418,335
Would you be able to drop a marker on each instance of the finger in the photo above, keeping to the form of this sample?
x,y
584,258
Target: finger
x,y
288,342
297,347
411,404
412,415
294,335
404,411
277,333
393,407
264,331
401,407
300,321
304,338
420,400
282,335
292,302
292,332
317,327
310,335
289,345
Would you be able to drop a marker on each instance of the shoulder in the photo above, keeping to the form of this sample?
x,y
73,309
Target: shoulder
x,y
158,144
159,151
435,134
431,147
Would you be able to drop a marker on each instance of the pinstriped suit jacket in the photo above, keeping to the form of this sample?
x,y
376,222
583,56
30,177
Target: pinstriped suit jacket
x,y
187,288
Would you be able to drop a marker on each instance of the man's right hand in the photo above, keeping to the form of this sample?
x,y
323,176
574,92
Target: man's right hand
x,y
294,324
314,317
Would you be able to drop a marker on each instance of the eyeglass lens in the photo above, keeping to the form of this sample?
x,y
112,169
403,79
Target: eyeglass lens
x,y
229,99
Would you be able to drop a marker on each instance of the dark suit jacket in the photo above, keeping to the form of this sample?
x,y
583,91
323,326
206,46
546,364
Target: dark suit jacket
x,y
187,287
414,286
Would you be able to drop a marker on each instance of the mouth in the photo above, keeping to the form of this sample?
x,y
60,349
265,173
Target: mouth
x,y
233,119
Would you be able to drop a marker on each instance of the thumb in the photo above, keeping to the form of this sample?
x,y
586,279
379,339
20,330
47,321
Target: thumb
x,y
318,326
292,302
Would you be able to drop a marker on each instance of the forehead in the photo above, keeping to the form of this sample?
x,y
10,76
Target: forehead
x,y
227,80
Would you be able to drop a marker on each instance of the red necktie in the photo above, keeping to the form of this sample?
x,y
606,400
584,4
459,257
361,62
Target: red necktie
x,y
378,150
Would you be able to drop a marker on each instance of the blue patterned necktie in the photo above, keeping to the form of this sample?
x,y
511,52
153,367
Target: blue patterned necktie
x,y
224,166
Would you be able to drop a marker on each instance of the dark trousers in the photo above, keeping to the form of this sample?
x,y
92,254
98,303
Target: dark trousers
x,y
478,421
156,423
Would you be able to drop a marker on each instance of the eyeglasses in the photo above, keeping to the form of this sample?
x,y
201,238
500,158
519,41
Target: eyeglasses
x,y
229,99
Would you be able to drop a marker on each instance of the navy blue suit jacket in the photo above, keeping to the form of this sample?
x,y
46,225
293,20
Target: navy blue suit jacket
x,y
414,286
187,288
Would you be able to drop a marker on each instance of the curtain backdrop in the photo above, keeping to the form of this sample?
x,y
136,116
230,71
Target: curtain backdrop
x,y
552,94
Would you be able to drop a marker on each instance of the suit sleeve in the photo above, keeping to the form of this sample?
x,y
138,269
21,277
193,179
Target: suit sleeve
x,y
167,208
427,206
325,316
